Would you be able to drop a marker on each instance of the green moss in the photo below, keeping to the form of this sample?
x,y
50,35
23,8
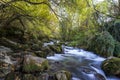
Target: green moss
x,y
56,48
63,75
111,66
41,54
32,66
29,77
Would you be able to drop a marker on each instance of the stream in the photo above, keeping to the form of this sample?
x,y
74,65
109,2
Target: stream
x,y
82,64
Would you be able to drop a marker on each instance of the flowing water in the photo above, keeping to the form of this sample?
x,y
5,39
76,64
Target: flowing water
x,y
82,64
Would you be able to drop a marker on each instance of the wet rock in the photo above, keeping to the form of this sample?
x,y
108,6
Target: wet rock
x,y
111,66
6,65
34,64
88,70
63,75
99,77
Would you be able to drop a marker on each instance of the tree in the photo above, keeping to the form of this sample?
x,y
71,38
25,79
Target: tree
x,y
32,17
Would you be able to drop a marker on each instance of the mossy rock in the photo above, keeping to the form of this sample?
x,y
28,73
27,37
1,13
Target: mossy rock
x,y
29,77
111,66
8,43
56,48
63,75
47,51
102,44
12,76
34,64
116,52
41,54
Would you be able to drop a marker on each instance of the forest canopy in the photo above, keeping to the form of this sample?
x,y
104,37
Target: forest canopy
x,y
64,19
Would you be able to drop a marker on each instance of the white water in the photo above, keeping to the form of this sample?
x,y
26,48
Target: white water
x,y
82,59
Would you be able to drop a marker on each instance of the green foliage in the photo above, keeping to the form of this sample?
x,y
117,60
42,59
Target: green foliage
x,y
33,18
102,44
114,30
116,52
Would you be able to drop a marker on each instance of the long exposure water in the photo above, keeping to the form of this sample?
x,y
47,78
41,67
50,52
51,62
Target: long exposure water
x,y
82,64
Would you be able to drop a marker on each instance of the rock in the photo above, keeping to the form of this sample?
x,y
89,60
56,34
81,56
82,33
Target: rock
x,y
87,70
41,54
56,48
4,49
116,52
102,44
99,76
29,77
8,43
22,76
12,76
36,47
34,64
6,65
111,66
47,50
63,75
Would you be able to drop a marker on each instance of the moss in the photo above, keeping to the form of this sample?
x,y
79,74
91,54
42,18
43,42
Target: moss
x,y
111,66
73,43
56,48
63,75
11,76
29,77
31,67
102,44
41,54
116,52
35,66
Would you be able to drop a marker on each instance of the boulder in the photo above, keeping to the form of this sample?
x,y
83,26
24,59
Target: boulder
x,y
23,76
47,51
63,75
33,64
56,48
41,54
29,77
12,76
111,66
6,65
